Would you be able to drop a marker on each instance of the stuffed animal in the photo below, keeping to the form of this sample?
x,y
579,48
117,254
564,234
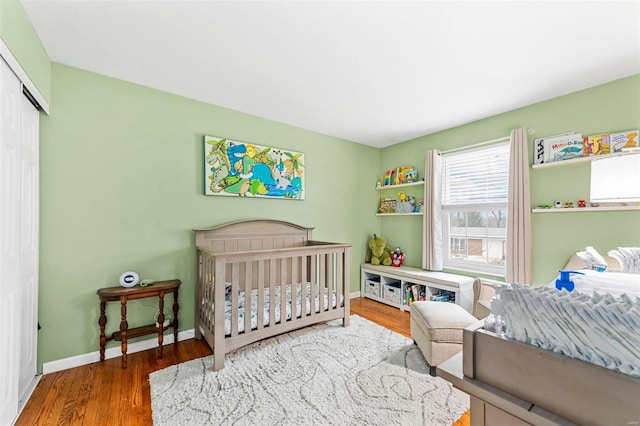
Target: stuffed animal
x,y
378,252
406,206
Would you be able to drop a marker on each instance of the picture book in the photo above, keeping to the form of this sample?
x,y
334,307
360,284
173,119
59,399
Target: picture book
x,y
563,148
628,139
597,144
543,146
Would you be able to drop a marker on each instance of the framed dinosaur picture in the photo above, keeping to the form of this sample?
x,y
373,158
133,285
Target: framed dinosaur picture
x,y
241,169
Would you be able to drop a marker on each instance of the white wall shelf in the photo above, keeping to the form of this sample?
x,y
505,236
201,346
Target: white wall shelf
x,y
586,209
420,182
400,214
578,160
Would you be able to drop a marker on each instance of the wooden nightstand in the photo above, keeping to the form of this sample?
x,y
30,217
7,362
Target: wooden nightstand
x,y
157,289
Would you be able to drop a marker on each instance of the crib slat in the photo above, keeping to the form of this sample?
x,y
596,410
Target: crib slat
x,y
248,307
330,280
304,279
323,277
260,294
294,288
272,292
218,329
212,291
347,290
283,290
235,290
314,278
207,302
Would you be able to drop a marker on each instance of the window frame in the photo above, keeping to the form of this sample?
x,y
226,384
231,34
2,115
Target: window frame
x,y
446,210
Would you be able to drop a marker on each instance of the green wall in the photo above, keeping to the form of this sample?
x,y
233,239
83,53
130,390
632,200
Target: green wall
x,y
121,189
121,185
18,34
610,107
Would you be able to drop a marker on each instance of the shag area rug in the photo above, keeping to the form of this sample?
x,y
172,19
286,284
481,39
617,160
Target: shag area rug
x,y
321,375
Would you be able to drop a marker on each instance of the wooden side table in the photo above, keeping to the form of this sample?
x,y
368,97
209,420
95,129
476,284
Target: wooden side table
x,y
157,289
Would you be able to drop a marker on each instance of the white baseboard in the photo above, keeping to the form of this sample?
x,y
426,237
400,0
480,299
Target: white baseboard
x,y
113,352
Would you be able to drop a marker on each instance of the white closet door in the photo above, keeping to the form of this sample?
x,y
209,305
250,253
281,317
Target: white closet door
x,y
28,261
10,304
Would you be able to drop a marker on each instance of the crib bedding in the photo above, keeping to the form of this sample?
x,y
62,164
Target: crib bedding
x,y
278,300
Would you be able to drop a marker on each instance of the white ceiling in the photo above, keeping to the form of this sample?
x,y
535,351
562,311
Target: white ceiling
x,y
376,73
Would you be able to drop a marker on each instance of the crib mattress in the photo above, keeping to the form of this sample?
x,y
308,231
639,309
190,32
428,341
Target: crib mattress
x,y
265,307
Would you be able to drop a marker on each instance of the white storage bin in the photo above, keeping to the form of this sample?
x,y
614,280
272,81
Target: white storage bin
x,y
372,287
392,292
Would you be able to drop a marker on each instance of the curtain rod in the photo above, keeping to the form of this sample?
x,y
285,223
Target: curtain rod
x,y
492,141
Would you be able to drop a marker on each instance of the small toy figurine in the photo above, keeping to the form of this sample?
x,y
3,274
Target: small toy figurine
x,y
397,257
403,196
582,203
568,205
557,204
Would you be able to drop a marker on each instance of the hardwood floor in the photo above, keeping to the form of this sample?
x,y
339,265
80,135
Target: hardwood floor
x,y
105,394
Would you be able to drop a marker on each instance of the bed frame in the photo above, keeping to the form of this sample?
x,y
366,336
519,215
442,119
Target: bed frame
x,y
262,255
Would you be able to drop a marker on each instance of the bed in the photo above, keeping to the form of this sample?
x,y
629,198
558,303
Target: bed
x,y
245,268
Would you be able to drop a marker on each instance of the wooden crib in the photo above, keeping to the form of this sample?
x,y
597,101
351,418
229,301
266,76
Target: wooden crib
x,y
266,263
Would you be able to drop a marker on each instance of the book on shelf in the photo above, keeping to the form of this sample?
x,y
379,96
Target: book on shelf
x,y
619,141
558,147
597,144
565,148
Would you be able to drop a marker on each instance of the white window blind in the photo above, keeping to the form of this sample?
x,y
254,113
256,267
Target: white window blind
x,y
476,177
475,190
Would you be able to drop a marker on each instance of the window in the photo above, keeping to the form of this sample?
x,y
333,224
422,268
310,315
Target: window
x,y
474,209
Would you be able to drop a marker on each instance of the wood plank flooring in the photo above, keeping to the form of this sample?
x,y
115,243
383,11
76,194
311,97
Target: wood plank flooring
x,y
105,394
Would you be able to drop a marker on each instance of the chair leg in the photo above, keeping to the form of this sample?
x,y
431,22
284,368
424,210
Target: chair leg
x,y
432,370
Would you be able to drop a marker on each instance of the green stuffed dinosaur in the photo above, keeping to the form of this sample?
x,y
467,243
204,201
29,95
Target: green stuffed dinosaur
x,y
378,253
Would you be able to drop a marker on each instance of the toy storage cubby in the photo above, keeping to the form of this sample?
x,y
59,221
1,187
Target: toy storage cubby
x,y
395,285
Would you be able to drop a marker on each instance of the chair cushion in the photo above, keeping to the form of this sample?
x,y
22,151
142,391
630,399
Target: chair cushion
x,y
441,321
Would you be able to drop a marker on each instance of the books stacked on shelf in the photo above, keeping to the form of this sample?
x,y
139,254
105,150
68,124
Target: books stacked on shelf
x,y
444,296
609,143
399,176
571,145
414,293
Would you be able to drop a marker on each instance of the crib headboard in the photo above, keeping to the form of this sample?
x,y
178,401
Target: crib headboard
x,y
249,235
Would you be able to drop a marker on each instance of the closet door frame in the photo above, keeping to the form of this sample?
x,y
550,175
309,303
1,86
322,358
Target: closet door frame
x,y
19,234
10,302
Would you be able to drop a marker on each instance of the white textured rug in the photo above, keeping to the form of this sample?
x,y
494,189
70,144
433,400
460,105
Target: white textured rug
x,y
321,375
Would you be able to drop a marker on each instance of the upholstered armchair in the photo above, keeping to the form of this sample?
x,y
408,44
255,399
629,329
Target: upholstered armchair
x,y
482,295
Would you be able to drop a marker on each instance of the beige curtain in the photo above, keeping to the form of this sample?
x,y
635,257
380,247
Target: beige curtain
x,y
519,234
432,230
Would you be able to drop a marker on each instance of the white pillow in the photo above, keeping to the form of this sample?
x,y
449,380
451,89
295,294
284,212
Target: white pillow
x,y
593,259
628,257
